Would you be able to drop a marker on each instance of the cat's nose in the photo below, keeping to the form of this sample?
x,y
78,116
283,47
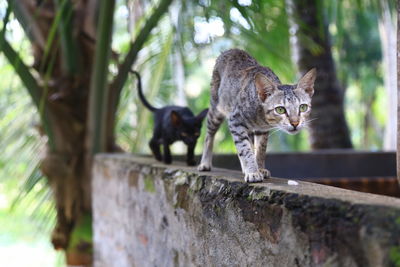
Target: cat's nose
x,y
294,123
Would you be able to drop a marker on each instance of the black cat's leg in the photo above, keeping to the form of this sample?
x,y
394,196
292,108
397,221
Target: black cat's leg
x,y
190,155
155,140
155,148
167,153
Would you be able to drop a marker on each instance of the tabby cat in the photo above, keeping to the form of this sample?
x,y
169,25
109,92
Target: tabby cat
x,y
254,102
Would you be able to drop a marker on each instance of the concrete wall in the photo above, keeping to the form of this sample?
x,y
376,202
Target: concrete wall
x,y
148,214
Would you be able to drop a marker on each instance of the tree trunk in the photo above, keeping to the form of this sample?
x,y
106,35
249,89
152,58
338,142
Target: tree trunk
x,y
67,100
64,61
63,88
312,48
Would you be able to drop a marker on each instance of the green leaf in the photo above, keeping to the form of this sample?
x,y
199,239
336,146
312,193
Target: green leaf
x,y
98,94
68,45
81,236
130,58
28,80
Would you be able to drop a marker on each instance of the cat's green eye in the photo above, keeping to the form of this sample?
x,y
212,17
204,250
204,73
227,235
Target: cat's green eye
x,y
280,110
303,107
196,134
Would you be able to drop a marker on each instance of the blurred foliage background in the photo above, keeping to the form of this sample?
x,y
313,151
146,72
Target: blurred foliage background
x,y
262,28
176,65
27,213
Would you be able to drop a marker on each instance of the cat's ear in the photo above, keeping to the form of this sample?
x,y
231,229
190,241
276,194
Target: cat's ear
x,y
200,117
265,87
306,83
176,119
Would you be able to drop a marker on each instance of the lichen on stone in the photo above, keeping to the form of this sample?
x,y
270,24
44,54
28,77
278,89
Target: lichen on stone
x,y
394,255
149,185
180,178
259,194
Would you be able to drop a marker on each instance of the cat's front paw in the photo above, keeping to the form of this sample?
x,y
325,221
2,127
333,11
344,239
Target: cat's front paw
x,y
266,173
253,177
203,167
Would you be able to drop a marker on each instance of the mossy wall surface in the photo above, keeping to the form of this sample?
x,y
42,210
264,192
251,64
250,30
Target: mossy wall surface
x,y
148,214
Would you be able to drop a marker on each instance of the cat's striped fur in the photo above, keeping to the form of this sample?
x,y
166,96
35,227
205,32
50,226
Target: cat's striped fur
x,y
248,95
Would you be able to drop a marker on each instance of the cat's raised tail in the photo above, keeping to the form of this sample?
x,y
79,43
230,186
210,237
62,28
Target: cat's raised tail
x,y
140,90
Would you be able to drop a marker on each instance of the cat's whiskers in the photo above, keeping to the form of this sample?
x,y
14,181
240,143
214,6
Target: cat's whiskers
x,y
310,120
276,129
306,124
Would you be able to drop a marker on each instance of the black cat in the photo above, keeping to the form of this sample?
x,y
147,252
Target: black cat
x,y
172,123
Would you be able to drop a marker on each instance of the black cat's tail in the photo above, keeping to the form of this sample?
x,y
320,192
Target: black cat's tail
x,y
140,90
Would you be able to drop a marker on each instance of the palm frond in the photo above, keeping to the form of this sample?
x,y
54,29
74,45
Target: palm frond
x,y
21,146
27,79
28,22
130,58
99,87
68,45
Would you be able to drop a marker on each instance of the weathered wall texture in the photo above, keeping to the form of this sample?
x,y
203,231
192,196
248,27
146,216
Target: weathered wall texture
x,y
147,214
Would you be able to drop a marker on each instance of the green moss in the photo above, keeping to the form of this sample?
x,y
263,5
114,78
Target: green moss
x,y
397,220
182,200
149,185
218,210
196,184
395,255
81,236
259,195
176,258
